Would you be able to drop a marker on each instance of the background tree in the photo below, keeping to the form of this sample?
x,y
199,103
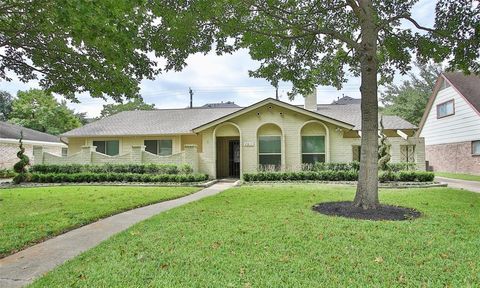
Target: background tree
x,y
311,43
77,46
5,105
82,117
21,166
39,110
132,105
409,99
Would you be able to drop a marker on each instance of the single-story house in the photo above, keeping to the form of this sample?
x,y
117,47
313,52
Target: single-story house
x,y
228,141
451,124
9,137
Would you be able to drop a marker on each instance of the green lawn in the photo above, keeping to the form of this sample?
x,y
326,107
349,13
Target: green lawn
x,y
29,215
268,236
467,177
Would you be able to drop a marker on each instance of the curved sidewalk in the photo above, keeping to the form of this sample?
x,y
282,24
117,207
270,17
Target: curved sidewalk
x,y
473,186
25,266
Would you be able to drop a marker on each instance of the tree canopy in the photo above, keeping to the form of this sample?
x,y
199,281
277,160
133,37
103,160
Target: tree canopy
x,y
409,99
39,110
132,105
5,105
98,47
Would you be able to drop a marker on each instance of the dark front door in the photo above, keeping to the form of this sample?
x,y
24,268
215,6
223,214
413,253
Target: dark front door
x,y
234,158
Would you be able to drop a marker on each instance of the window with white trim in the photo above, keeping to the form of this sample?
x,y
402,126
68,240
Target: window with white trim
x,y
446,109
110,147
313,149
476,147
270,152
159,147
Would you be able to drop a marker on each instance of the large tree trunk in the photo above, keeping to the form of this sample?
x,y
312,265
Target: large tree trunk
x,y
367,188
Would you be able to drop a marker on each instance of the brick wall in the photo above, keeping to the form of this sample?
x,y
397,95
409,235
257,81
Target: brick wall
x,y
453,157
8,153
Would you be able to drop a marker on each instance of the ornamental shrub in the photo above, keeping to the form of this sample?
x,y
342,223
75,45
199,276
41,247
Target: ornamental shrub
x,y
21,167
89,177
113,168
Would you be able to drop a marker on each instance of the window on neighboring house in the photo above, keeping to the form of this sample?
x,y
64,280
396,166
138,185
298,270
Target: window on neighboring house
x,y
110,147
407,153
476,147
64,152
270,152
159,147
445,85
313,149
446,109
356,153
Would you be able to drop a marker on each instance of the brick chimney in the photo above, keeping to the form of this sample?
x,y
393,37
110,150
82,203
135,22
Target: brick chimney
x,y
311,101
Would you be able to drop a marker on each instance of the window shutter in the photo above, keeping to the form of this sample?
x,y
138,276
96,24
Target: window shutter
x,y
403,153
355,153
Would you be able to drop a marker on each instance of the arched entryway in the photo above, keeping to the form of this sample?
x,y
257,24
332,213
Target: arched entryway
x,y
228,150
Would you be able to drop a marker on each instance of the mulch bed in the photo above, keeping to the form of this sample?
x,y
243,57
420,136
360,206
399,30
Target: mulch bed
x,y
383,212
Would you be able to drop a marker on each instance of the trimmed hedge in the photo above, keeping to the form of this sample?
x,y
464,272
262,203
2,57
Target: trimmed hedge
x,y
90,177
404,176
113,168
7,173
355,166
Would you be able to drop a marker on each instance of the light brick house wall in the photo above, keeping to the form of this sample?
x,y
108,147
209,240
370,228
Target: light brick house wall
x,y
454,158
8,153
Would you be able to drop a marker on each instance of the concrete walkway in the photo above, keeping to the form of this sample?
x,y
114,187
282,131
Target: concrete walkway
x,y
25,266
460,184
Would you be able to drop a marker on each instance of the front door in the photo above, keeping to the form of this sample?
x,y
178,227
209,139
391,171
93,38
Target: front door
x,y
234,158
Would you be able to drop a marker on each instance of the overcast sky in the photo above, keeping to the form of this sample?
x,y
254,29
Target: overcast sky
x,y
218,78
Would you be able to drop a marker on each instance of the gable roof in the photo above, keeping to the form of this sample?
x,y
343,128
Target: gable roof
x,y
193,120
276,102
152,122
467,86
12,131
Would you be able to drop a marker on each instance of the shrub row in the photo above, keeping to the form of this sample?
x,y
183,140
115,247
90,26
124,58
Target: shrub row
x,y
355,166
7,173
404,176
114,168
114,177
302,175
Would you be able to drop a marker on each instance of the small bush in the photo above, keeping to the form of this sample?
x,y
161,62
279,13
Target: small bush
x,y
113,168
89,177
7,173
402,166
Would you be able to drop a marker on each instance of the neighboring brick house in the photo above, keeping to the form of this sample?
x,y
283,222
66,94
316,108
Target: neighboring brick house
x,y
9,136
227,140
451,124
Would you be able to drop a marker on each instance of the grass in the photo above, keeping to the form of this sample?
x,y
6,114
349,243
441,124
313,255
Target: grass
x,y
268,236
30,215
467,177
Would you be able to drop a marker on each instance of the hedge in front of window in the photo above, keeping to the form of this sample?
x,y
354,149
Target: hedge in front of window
x,y
90,177
114,168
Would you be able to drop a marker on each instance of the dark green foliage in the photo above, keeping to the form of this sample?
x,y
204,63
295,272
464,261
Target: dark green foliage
x,y
383,149
7,173
338,175
406,176
409,99
402,166
133,105
21,167
39,110
321,166
114,168
91,177
5,105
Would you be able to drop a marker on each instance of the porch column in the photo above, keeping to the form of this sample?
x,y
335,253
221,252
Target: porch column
x,y
137,154
37,155
191,156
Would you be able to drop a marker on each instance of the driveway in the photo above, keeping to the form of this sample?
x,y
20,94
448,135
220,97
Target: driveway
x,y
460,184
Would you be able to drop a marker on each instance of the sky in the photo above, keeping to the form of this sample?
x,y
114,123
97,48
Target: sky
x,y
216,78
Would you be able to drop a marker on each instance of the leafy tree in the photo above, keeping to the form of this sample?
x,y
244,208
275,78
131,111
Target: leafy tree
x,y
133,105
313,43
82,117
98,47
21,166
409,99
39,110
5,105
